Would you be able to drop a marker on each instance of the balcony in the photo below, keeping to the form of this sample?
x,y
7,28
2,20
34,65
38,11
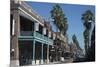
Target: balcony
x,y
42,37
50,41
31,34
46,38
38,35
26,33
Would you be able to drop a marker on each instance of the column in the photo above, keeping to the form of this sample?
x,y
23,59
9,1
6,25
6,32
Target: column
x,y
48,54
33,62
14,40
42,54
36,26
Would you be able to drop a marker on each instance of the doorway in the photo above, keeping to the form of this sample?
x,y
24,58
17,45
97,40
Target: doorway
x,y
25,52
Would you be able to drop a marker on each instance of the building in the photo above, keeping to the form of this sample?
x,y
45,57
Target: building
x,y
32,39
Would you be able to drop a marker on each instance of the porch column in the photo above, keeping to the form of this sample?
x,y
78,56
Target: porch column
x,y
33,62
36,26
48,54
42,54
14,39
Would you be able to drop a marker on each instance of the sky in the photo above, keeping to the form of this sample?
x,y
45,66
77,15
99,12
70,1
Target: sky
x,y
72,11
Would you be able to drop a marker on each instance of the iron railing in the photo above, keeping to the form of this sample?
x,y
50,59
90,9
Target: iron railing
x,y
36,35
26,33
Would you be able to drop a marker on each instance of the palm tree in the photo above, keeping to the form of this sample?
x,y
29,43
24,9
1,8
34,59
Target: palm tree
x,y
77,49
88,19
59,18
55,14
74,38
60,21
92,54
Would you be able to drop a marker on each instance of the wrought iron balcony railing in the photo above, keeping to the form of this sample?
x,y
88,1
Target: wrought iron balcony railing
x,y
50,40
26,33
36,35
42,37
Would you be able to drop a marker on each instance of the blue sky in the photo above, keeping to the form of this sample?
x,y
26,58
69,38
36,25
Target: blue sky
x,y
72,12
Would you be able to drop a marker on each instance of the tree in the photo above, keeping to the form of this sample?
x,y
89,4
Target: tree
x,y
88,19
91,49
60,22
74,38
77,49
92,55
59,18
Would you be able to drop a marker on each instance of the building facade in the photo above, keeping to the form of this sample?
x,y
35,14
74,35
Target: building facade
x,y
32,39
